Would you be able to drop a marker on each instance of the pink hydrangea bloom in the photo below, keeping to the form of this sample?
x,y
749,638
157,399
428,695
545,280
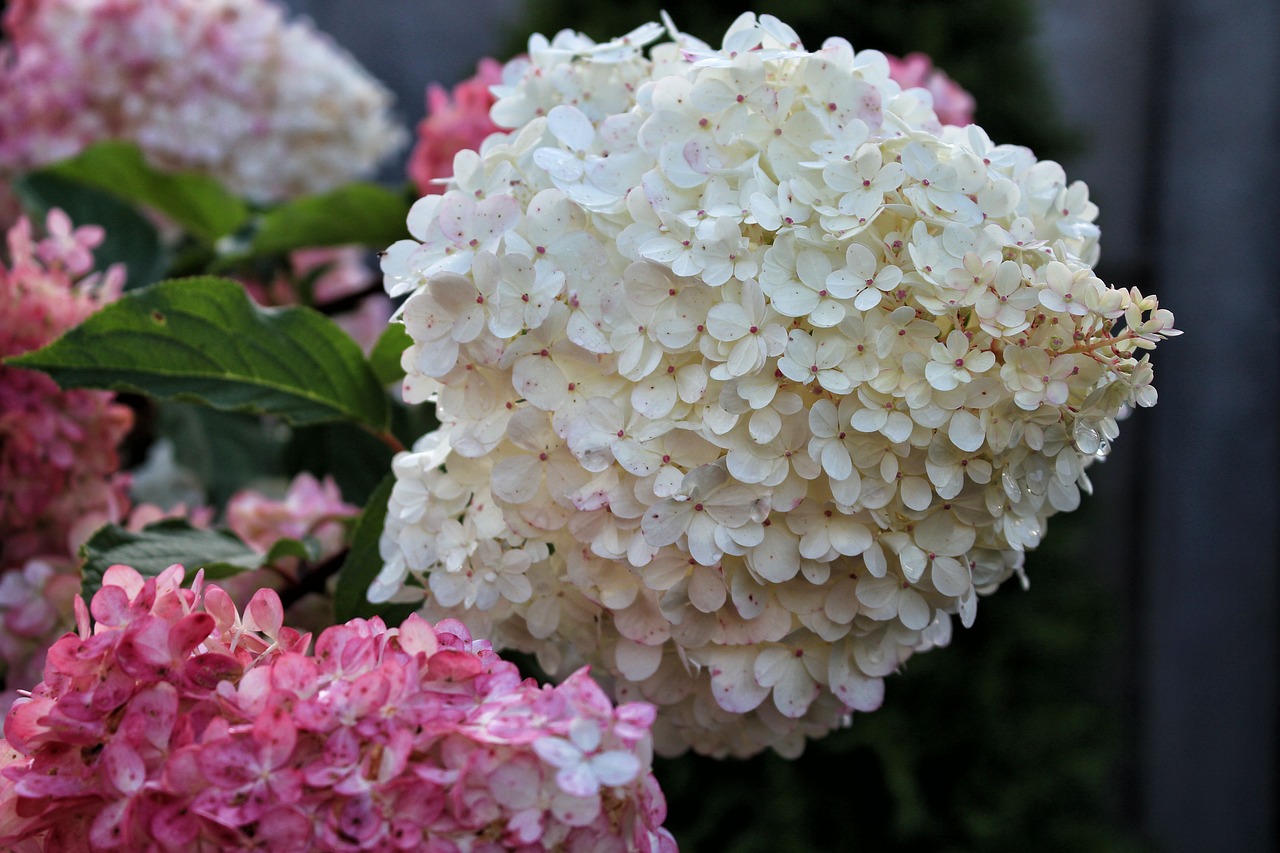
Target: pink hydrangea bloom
x,y
311,508
58,457
229,88
452,126
169,726
953,104
144,514
36,600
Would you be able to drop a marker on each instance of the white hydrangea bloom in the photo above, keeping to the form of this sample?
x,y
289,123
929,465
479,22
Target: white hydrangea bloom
x,y
751,376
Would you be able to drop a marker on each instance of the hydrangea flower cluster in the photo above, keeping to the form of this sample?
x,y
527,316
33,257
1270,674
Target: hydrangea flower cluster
x,y
229,88
169,727
36,599
751,374
462,121
452,125
58,458
311,508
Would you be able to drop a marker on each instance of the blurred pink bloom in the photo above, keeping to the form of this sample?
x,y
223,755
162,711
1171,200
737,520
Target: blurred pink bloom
x,y
58,461
367,321
171,728
452,126
951,102
68,246
143,514
35,609
310,508
36,600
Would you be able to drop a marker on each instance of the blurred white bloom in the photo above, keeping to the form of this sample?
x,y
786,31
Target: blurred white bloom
x,y
229,88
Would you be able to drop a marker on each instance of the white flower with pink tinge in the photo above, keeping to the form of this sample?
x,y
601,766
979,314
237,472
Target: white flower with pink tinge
x,y
765,370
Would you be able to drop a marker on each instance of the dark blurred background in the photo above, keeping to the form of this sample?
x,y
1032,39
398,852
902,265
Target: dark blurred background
x,y
1129,700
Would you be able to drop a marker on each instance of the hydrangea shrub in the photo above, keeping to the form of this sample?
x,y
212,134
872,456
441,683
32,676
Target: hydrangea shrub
x,y
229,88
169,721
751,374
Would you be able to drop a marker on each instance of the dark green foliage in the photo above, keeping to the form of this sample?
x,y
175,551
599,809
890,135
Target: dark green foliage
x,y
385,358
985,45
226,450
356,459
354,213
363,564
197,203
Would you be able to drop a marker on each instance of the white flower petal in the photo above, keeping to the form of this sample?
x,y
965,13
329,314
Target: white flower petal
x,y
557,751
665,522
916,493
733,682
794,301
777,558
571,126
849,537
706,590
857,690
950,576
635,661
913,610
966,432
615,767
941,533
516,479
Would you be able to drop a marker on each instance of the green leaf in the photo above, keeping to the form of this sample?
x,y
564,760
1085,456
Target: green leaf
x,y
408,423
355,459
197,203
306,550
130,239
157,546
203,340
363,564
363,214
385,358
227,451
